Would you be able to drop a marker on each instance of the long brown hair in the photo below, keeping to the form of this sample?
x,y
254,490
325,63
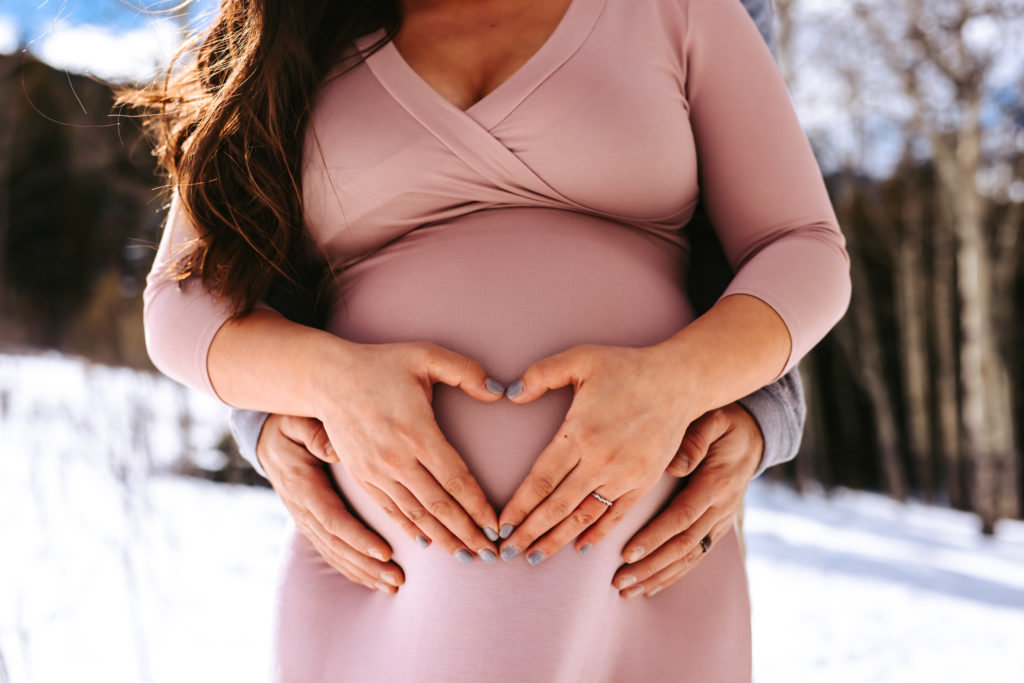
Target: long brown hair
x,y
228,130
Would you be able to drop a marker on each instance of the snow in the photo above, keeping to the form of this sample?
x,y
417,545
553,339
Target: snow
x,y
114,570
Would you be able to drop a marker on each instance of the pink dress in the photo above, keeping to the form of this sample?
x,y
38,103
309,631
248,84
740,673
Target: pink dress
x,y
548,214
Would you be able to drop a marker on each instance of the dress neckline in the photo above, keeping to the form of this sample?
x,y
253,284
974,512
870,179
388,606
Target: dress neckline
x,y
413,92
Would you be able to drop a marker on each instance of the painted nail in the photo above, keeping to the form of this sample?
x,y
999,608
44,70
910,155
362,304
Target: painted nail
x,y
390,578
633,592
506,530
491,534
585,549
464,556
514,389
626,582
377,555
487,556
635,554
422,540
655,591
536,557
494,386
381,586
509,553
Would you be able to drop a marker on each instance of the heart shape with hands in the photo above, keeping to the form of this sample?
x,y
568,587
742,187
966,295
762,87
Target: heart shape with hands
x,y
625,400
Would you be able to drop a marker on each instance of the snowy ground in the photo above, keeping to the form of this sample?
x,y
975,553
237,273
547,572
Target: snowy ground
x,y
111,571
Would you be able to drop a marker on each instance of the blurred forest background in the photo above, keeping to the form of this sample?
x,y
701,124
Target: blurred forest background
x,y
916,112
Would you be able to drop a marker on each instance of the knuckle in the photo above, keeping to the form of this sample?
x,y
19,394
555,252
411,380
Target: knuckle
x,y
440,508
541,485
678,549
583,517
457,484
417,514
561,508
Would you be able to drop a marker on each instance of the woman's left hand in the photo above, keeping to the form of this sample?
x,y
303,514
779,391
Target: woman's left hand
x,y
628,416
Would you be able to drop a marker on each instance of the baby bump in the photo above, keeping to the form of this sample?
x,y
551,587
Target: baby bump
x,y
508,287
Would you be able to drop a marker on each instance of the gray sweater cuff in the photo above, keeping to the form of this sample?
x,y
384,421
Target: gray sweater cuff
x,y
246,427
780,411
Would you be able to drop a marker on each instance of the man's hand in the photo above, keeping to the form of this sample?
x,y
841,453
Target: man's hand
x,y
722,449
292,451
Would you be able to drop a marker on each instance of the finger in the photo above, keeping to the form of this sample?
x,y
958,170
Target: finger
x,y
421,515
452,495
669,575
346,561
331,515
678,548
558,506
451,368
608,521
309,433
548,373
552,466
700,434
689,505
585,514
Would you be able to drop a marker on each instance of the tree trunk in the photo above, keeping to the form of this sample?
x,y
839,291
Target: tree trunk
x,y
911,313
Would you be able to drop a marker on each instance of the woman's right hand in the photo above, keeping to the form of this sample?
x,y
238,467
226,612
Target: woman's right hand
x,y
380,424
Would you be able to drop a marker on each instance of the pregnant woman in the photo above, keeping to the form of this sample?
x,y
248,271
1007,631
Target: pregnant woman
x,y
500,190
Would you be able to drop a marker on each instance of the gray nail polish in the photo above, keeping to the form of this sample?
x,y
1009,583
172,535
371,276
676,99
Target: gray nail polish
x,y
514,389
509,553
494,386
585,549
536,557
506,530
464,556
491,534
422,540
487,556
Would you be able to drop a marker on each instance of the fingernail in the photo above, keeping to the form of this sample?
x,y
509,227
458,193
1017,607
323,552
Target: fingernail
x,y
655,591
494,386
381,586
506,530
536,557
635,554
422,540
464,556
633,592
377,555
329,450
509,552
487,556
585,549
491,534
626,582
514,389
390,578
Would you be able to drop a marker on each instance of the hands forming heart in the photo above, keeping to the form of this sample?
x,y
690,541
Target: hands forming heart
x,y
620,435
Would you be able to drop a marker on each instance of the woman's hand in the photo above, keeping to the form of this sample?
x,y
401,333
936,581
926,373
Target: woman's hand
x,y
722,449
292,451
380,425
626,423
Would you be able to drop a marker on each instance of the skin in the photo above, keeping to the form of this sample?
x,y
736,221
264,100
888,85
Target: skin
x,y
374,399
720,453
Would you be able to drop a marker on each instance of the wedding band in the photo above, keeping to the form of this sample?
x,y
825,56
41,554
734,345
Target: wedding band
x,y
601,498
705,543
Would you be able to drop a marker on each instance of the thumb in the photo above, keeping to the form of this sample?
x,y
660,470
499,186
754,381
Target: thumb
x,y
700,435
552,372
311,434
451,368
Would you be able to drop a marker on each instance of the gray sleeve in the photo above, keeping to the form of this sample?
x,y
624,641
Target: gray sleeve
x,y
780,411
246,427
763,14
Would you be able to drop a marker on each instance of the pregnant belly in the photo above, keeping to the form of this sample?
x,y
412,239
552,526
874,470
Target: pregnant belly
x,y
508,287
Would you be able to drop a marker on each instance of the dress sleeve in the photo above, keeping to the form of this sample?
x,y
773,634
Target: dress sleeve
x,y
180,318
759,178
